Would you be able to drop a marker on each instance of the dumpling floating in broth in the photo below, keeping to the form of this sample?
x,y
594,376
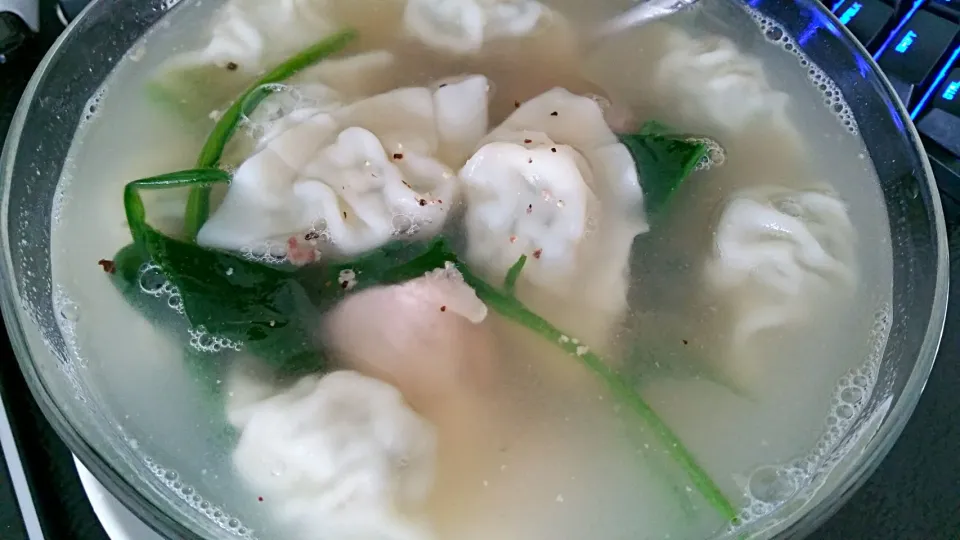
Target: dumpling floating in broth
x,y
336,456
553,183
462,26
713,82
250,37
359,174
777,253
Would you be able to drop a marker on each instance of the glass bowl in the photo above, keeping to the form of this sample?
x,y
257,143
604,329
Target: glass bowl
x,y
84,56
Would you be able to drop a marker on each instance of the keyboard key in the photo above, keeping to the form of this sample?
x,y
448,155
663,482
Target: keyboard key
x,y
941,122
947,95
950,6
904,90
946,170
864,18
915,51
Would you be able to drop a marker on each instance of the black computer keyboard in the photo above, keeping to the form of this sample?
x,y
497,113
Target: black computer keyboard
x,y
917,44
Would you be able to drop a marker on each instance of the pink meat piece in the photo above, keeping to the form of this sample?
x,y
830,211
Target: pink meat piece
x,y
428,337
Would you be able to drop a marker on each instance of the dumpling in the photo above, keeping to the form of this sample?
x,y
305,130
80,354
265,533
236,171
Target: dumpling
x,y
553,183
428,337
777,253
462,26
700,84
712,81
351,178
250,37
338,456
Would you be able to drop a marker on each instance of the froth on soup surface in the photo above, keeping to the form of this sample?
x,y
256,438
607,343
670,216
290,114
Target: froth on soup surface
x,y
730,292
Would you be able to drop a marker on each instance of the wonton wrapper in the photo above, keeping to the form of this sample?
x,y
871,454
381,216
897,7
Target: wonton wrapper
x,y
462,26
339,456
250,37
553,183
713,82
359,174
777,254
702,85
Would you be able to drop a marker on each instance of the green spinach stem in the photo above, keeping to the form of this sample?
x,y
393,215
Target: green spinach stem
x,y
133,203
510,308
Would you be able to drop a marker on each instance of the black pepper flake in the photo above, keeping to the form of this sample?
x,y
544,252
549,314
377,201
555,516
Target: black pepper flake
x,y
537,253
439,201
554,150
398,156
312,235
529,208
443,308
529,160
232,66
685,342
527,141
344,215
516,104
107,265
260,499
344,284
423,202
554,113
442,85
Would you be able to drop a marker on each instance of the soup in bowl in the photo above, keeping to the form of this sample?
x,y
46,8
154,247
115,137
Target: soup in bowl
x,y
426,269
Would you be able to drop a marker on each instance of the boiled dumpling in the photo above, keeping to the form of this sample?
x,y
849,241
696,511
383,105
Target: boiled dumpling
x,y
250,37
462,26
553,183
700,84
777,253
339,456
713,82
428,337
349,178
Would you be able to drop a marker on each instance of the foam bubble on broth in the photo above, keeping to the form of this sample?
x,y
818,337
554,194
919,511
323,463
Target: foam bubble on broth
x,y
188,494
833,99
770,487
67,316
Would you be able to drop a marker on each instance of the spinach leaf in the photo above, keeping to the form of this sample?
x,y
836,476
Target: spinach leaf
x,y
224,295
510,281
265,308
198,203
664,160
206,367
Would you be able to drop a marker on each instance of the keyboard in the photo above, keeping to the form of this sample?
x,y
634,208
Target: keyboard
x,y
917,45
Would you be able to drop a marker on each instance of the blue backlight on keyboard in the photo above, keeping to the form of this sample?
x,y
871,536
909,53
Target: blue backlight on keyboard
x,y
936,84
906,42
849,13
950,93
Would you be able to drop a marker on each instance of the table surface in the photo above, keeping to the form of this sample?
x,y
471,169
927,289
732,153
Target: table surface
x,y
914,495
